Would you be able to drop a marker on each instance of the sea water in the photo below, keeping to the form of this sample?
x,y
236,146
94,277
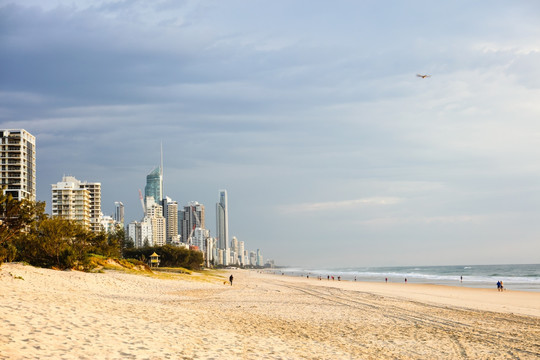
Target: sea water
x,y
515,277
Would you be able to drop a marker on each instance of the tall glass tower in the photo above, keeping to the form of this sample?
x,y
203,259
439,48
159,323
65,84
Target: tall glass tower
x,y
154,187
222,221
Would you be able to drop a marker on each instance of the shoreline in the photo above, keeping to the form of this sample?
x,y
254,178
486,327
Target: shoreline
x,y
50,314
522,277
483,299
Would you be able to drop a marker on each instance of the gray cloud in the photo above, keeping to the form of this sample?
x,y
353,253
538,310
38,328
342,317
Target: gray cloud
x,y
284,104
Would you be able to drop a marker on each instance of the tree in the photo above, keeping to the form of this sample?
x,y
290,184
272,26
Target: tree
x,y
17,216
56,242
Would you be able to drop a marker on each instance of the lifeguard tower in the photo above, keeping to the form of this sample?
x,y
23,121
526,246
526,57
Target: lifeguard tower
x,y
154,260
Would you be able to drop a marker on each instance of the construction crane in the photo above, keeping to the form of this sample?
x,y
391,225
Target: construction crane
x,y
142,202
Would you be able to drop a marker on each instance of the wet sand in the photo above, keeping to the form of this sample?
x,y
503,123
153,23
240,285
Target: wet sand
x,y
49,314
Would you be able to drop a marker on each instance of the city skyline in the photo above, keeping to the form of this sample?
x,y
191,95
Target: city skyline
x,y
332,150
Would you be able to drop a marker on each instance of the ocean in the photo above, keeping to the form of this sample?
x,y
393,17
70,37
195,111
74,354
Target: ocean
x,y
515,277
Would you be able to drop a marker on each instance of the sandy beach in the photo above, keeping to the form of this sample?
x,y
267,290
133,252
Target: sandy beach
x,y
48,314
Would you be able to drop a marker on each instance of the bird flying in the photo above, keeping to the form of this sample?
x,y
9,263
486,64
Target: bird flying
x,y
423,76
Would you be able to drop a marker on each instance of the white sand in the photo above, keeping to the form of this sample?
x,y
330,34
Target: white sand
x,y
72,315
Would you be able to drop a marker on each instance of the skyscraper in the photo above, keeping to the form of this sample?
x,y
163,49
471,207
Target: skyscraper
x,y
222,221
170,209
18,163
192,217
154,185
154,215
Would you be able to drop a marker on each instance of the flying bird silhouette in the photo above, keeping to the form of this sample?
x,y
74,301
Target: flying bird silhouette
x,y
423,76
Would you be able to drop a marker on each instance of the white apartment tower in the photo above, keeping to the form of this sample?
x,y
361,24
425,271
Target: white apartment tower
x,y
170,210
154,215
18,163
94,191
71,201
241,251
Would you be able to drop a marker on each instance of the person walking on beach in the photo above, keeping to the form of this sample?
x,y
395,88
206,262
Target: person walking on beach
x,y
231,279
385,279
498,286
405,280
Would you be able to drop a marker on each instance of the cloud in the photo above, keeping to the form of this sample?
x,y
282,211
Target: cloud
x,y
275,111
424,220
340,205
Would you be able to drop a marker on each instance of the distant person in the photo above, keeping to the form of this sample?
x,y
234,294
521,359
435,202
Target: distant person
x,y
385,279
461,279
405,280
328,277
499,285
355,278
502,286
231,279
339,278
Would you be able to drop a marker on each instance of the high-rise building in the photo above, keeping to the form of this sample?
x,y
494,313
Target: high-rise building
x,y
154,185
199,238
77,200
18,163
222,221
141,233
94,191
170,209
108,224
71,201
260,261
155,218
190,218
241,253
119,213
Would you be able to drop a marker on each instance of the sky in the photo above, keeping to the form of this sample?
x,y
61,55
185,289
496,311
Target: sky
x,y
309,113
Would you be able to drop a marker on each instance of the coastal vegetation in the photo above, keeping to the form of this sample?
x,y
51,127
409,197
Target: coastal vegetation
x,y
30,235
169,256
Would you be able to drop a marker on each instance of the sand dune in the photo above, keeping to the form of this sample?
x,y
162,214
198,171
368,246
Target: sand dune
x,y
47,314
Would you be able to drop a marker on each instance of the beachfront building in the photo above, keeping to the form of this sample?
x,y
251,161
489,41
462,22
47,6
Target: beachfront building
x,y
71,201
18,163
222,221
190,218
94,193
77,200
